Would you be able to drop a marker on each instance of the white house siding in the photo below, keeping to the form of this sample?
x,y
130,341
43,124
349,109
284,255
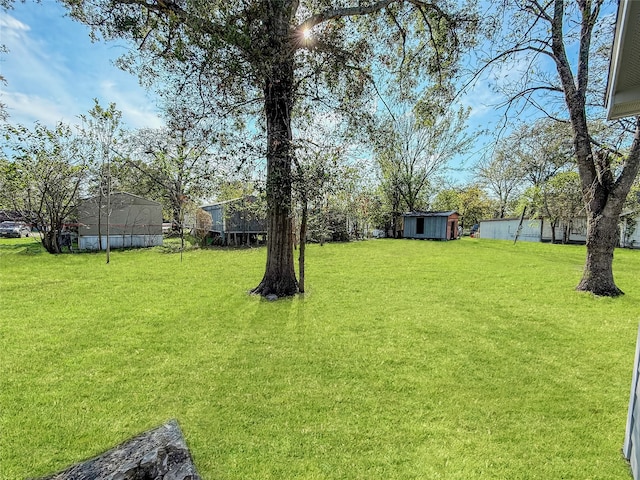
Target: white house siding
x,y
577,231
119,241
506,228
630,231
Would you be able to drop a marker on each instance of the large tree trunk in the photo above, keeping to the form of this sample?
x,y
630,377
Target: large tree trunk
x,y
280,277
604,199
602,238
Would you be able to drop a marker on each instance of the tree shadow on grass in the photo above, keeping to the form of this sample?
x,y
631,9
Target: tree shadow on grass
x,y
21,248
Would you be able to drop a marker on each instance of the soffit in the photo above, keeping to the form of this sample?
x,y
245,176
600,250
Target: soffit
x,y
623,89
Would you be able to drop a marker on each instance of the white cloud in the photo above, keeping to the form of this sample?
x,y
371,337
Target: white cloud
x,y
138,110
54,71
12,25
481,99
136,117
26,109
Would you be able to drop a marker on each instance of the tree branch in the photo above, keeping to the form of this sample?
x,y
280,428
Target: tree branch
x,y
333,13
404,37
502,56
542,10
170,7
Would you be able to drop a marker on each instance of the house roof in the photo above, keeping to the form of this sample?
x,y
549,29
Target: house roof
x,y
250,198
623,85
418,213
507,219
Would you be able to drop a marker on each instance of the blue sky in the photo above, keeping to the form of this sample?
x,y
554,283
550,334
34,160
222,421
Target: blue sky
x,y
54,72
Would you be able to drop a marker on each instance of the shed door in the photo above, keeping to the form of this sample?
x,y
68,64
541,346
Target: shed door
x,y
419,226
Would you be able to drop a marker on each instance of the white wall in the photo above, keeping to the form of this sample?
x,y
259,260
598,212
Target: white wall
x,y
119,241
506,228
630,232
577,231
631,448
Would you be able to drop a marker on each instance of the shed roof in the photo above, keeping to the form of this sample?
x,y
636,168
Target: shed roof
x,y
507,219
418,213
137,198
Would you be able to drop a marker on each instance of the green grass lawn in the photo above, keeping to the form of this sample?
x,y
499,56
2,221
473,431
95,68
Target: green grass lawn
x,y
404,360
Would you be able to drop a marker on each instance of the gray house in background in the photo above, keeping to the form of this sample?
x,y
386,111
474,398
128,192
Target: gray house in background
x,y
237,221
133,222
431,225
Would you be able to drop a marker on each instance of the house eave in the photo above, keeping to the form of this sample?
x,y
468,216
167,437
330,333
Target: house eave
x,y
622,97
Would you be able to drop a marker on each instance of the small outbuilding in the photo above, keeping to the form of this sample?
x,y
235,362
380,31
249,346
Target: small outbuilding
x,y
431,225
133,222
237,221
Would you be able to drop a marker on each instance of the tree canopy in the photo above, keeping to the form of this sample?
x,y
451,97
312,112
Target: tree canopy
x,y
44,178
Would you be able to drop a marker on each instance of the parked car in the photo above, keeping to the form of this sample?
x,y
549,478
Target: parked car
x,y
14,229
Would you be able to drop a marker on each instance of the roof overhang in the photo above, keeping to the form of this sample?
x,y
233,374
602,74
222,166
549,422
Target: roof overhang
x,y
430,214
623,86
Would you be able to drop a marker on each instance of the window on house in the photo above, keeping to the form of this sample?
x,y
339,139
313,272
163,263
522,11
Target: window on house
x,y
419,226
578,226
